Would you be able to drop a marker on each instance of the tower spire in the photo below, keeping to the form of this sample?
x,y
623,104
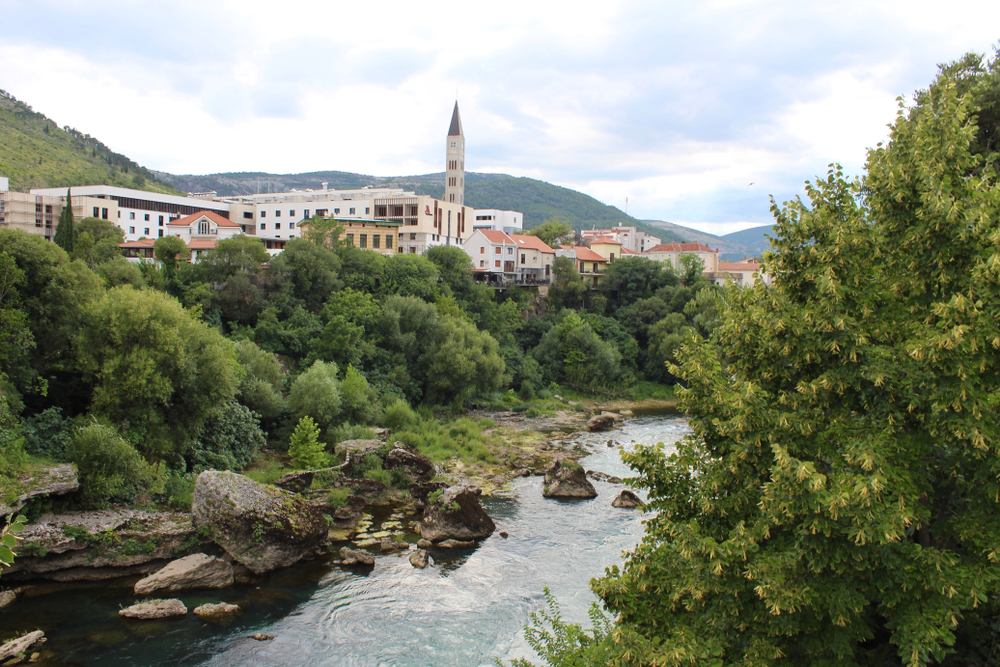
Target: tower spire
x,y
454,173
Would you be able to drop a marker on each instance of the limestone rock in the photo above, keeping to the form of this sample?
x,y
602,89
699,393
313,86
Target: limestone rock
x,y
52,481
296,482
215,610
7,598
355,557
408,458
603,477
263,528
154,609
420,558
355,452
261,637
456,514
424,544
455,544
627,499
194,571
367,488
566,479
603,422
21,644
420,491
390,545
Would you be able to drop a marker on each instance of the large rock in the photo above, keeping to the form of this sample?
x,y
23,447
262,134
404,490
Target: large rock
x,y
457,514
566,479
154,609
409,459
419,492
51,481
604,421
356,451
190,572
297,481
102,544
21,645
355,557
420,558
628,500
216,610
262,527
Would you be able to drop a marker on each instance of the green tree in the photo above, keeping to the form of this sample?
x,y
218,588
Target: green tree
x,y
463,363
630,279
347,315
359,401
263,378
306,273
110,468
228,440
316,394
571,352
837,501
238,255
455,267
691,269
305,448
167,250
155,366
552,231
568,287
65,236
97,241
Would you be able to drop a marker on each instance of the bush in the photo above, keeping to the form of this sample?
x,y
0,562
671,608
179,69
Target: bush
x,y
229,439
179,490
527,391
359,402
337,497
47,434
305,448
316,394
110,468
342,432
532,413
398,415
462,438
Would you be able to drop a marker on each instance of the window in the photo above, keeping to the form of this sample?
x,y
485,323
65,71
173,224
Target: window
x,y
119,215
104,214
376,241
145,231
612,257
161,233
522,258
497,263
147,217
413,249
131,215
498,250
277,225
97,212
453,144
263,226
263,214
351,211
131,230
336,211
291,214
510,251
413,237
595,267
350,239
482,263
388,240
203,227
305,214
367,210
246,214
362,240
161,221
277,214
291,225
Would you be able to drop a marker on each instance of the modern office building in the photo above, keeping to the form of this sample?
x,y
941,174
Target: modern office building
x,y
508,222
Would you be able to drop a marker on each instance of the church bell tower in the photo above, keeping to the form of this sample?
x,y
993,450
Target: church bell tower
x,y
454,173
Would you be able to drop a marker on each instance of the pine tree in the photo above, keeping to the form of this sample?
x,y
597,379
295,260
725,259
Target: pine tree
x,y
64,230
305,448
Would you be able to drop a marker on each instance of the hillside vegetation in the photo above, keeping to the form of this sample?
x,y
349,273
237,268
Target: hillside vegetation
x,y
36,153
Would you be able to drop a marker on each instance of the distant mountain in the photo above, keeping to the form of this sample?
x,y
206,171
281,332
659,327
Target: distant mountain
x,y
732,247
538,200
36,153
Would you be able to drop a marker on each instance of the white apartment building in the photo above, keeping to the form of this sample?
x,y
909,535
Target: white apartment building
x,y
629,237
505,258
509,222
670,253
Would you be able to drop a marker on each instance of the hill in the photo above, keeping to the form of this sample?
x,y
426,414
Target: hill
x,y
538,200
36,153
732,247
753,238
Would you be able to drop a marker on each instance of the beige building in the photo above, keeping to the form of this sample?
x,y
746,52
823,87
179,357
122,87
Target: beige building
x,y
630,238
506,258
670,253
744,274
454,174
589,263
39,214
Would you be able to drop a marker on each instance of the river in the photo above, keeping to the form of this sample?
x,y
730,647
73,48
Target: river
x,y
469,608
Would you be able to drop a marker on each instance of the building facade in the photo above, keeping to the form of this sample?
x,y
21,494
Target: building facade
x,y
670,253
630,238
503,258
511,222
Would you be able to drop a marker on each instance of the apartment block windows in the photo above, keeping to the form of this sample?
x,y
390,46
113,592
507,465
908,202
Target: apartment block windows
x,y
161,233
497,264
376,241
277,214
362,240
145,232
336,211
522,258
131,230
263,214
305,214
291,225
367,210
146,217
291,214
510,251
482,263
388,240
350,239
161,221
498,250
413,249
131,215
97,212
413,237
263,226
482,250
104,214
247,215
277,225
351,211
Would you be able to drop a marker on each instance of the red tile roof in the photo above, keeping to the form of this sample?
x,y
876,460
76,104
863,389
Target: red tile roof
x,y
141,243
496,237
214,217
626,251
529,241
739,266
584,253
681,247
604,239
202,244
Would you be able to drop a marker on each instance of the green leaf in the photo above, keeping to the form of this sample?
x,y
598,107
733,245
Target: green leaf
x,y
9,541
6,555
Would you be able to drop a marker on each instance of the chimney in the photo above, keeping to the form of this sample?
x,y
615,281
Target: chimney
x,y
325,185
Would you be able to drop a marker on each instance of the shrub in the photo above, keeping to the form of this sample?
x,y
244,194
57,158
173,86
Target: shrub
x,y
179,490
110,468
398,415
462,438
342,432
337,497
570,464
305,448
229,439
47,434
527,391
316,394
359,402
532,413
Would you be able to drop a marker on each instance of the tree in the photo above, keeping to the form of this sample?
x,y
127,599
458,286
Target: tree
x,y
228,439
155,366
238,255
568,287
571,352
263,379
167,249
552,230
306,273
463,363
316,394
691,269
97,241
65,236
455,267
836,503
305,448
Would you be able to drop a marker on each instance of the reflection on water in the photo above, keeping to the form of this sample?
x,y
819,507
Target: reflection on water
x,y
467,609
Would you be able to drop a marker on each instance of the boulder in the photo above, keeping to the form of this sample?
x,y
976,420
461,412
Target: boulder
x,y
21,645
154,609
50,481
603,422
355,557
296,482
419,492
216,610
367,488
457,514
262,527
420,558
353,509
627,499
424,544
7,598
355,452
409,459
566,479
455,544
603,477
391,546
190,572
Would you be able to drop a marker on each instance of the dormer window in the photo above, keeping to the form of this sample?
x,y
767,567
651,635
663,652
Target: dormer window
x,y
203,227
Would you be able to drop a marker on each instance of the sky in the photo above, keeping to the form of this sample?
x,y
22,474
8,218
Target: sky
x,y
692,112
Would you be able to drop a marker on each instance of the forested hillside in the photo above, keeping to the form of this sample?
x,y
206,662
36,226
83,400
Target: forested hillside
x,y
36,153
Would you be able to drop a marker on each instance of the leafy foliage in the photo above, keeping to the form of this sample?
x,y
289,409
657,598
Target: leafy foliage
x,y
228,440
305,448
316,394
110,468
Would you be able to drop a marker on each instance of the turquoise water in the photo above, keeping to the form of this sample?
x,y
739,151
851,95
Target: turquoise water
x,y
466,610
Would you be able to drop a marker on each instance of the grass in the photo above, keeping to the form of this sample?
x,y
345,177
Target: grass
x,y
266,470
462,438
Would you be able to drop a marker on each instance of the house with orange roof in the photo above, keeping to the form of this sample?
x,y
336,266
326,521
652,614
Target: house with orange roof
x,y
670,253
504,258
203,226
533,259
588,263
629,237
745,273
607,247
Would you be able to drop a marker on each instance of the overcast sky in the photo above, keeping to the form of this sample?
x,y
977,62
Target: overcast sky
x,y
694,111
